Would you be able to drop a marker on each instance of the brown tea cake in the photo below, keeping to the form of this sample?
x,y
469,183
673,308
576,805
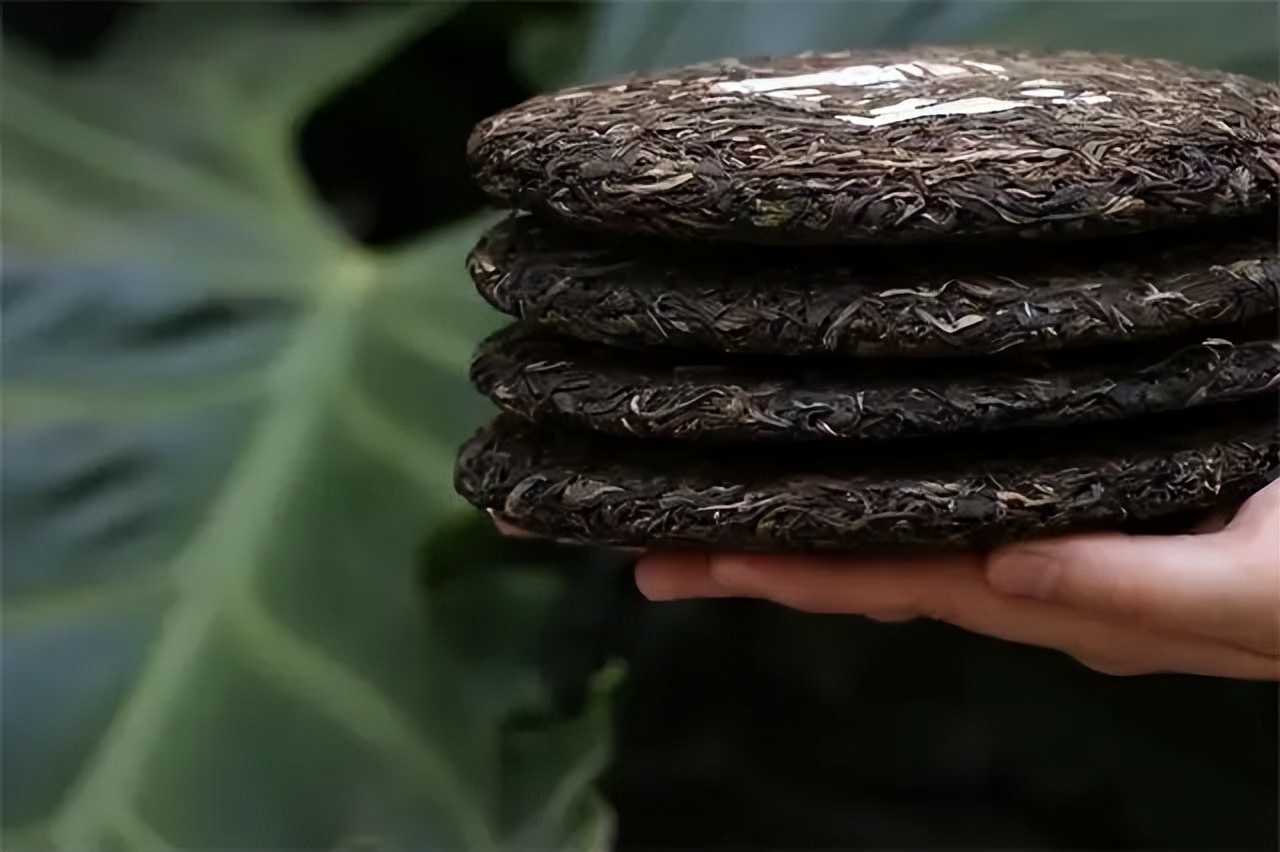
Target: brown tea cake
x,y
863,301
890,146
687,396
864,497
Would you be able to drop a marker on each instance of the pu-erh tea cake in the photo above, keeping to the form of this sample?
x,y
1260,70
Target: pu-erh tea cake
x,y
947,301
889,146
931,496
883,303
676,395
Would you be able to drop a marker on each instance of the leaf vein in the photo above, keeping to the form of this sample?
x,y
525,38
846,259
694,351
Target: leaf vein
x,y
426,463
222,554
44,609
69,136
348,700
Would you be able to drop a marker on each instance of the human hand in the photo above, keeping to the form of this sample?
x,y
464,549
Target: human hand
x,y
1205,603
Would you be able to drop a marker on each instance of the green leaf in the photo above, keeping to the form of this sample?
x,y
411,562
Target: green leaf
x,y
650,34
228,429
548,45
1234,35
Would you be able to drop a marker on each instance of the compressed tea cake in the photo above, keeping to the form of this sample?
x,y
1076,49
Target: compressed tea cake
x,y
889,146
880,302
884,303
669,394
932,495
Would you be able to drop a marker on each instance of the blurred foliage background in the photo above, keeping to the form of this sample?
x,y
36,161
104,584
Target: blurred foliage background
x,y
242,607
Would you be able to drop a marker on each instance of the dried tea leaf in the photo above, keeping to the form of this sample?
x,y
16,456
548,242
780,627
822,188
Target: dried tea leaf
x,y
860,301
671,394
890,146
926,494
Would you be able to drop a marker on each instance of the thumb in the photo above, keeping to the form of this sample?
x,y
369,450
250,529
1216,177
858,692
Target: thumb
x,y
1185,583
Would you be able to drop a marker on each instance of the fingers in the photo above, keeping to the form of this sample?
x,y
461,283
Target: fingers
x,y
954,590
1202,604
667,576
672,576
1152,579
923,587
1200,584
1223,585
675,576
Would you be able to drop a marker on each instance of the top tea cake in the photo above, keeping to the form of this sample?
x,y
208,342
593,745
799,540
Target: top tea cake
x,y
890,147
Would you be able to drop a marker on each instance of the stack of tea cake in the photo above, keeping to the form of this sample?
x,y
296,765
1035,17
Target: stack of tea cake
x,y
879,302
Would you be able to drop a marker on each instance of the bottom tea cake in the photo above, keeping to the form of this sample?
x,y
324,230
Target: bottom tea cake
x,y
869,497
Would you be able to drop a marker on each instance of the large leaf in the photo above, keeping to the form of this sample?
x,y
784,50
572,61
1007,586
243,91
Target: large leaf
x,y
1235,35
228,430
549,43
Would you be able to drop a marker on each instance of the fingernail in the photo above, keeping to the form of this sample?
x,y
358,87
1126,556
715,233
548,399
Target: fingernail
x,y
658,575
655,587
1022,572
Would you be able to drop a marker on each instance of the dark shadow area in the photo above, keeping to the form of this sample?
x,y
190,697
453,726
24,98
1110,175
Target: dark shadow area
x,y
389,154
748,727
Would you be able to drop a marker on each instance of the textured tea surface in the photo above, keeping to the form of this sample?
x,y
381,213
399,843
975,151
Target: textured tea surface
x,y
926,494
890,146
856,301
676,395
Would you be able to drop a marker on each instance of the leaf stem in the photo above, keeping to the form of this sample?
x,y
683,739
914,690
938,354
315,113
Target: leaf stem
x,y
218,561
125,161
